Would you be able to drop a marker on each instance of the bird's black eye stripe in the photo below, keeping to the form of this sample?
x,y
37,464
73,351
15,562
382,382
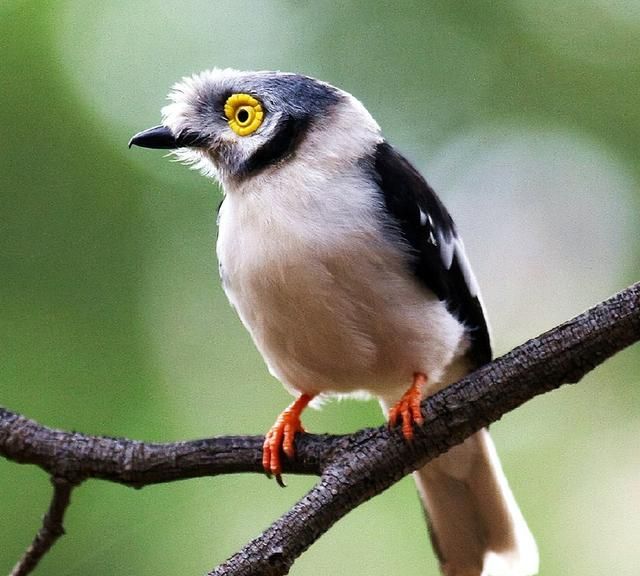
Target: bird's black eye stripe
x,y
281,144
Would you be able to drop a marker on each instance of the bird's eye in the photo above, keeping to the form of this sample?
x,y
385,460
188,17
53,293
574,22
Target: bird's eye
x,y
244,113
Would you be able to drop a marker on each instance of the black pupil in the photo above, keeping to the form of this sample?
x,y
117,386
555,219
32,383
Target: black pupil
x,y
243,115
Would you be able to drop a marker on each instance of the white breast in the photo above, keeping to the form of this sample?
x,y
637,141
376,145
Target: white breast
x,y
325,293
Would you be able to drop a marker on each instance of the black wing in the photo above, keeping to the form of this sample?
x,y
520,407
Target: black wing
x,y
440,262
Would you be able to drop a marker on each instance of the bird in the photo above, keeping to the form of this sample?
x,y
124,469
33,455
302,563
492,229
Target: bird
x,y
350,275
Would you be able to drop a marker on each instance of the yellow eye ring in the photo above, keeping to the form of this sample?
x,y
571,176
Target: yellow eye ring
x,y
244,113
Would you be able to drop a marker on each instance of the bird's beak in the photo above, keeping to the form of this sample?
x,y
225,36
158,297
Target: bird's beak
x,y
162,138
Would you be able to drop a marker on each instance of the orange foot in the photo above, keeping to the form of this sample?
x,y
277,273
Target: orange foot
x,y
281,435
408,408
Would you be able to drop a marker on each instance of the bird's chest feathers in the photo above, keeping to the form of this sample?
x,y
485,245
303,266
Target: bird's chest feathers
x,y
326,294
278,240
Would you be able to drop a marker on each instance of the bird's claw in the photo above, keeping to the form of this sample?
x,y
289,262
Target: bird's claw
x,y
407,410
282,436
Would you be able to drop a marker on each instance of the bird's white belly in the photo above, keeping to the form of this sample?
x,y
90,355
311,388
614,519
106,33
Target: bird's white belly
x,y
333,310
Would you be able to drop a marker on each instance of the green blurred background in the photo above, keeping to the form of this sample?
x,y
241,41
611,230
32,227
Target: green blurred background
x,y
524,115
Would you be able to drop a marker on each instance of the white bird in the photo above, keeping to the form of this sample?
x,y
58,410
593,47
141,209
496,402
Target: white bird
x,y
349,274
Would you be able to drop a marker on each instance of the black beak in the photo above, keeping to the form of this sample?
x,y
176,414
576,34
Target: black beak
x,y
162,138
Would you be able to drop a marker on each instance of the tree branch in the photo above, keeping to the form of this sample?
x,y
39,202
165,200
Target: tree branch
x,y
51,528
77,456
354,467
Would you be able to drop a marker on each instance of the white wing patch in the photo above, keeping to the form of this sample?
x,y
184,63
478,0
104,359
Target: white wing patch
x,y
467,272
453,246
447,248
427,221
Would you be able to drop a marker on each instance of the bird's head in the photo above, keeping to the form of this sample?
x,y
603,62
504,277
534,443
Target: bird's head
x,y
233,125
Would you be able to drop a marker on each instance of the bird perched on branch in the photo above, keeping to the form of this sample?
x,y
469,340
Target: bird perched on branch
x,y
349,274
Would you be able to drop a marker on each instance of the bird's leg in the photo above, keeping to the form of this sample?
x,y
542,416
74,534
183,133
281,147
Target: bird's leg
x,y
282,435
408,407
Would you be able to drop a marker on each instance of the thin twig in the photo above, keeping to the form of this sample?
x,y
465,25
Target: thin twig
x,y
51,529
